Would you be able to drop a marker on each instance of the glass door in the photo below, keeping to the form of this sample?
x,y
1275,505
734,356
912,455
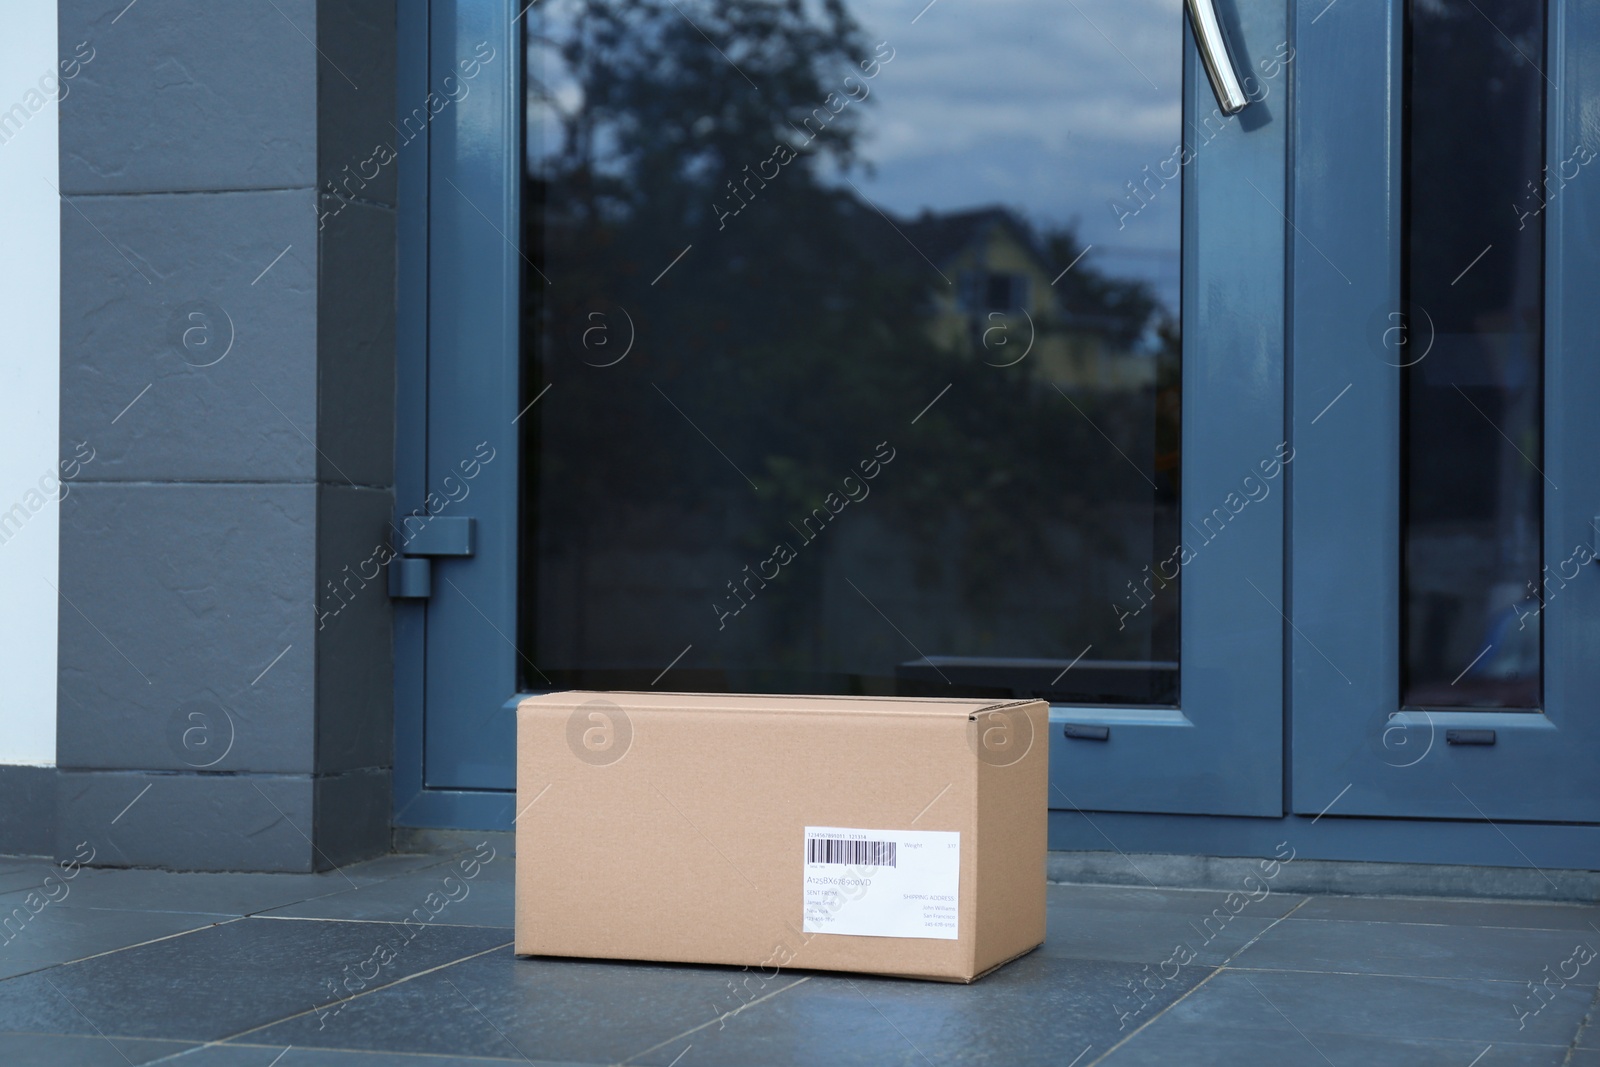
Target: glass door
x,y
884,348
1446,490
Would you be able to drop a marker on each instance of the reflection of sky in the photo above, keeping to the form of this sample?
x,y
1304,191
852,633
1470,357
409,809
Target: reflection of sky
x,y
1025,103
1046,107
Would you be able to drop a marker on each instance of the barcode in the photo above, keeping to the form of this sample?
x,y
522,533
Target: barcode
x,y
859,853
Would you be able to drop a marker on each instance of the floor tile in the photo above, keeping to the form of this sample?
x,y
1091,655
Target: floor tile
x,y
1495,952
238,1054
1165,1043
57,1050
1036,1011
647,1014
494,856
1524,915
223,980
1368,980
485,900
1188,902
223,894
545,1009
1078,930
1408,1009
60,934
23,874
395,864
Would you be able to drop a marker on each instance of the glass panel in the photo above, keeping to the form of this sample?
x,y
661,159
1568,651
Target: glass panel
x,y
1473,270
854,336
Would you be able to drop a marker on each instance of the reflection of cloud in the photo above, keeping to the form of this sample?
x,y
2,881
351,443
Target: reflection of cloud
x,y
1027,67
1042,106
1025,103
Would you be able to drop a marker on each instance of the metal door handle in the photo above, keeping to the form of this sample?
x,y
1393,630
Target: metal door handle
x,y
1214,54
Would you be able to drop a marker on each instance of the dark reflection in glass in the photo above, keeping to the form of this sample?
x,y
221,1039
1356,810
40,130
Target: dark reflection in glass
x,y
1474,249
860,335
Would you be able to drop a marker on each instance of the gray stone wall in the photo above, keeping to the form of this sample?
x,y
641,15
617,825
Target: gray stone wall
x,y
227,357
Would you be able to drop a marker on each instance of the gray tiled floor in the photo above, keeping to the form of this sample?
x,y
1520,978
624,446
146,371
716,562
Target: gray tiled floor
x,y
371,966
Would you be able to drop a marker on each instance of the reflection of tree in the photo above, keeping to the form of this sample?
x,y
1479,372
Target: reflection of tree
x,y
793,335
1126,307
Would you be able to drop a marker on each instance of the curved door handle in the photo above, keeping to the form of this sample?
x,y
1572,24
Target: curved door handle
x,y
1214,54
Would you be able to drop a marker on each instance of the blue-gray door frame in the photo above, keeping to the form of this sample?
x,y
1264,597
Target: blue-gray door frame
x,y
1350,739
1343,592
455,652
1221,753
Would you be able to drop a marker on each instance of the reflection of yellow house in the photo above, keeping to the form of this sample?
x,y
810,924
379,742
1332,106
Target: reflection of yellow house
x,y
1002,300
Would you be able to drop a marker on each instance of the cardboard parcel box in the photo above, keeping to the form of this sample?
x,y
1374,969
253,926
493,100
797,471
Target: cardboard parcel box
x,y
886,835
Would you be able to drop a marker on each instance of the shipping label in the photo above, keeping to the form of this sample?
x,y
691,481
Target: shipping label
x,y
882,883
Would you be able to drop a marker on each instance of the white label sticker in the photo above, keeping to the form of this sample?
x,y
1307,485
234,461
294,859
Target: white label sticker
x,y
882,883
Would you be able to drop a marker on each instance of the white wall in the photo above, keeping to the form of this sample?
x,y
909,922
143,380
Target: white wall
x,y
30,366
